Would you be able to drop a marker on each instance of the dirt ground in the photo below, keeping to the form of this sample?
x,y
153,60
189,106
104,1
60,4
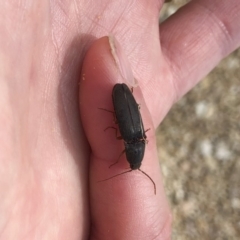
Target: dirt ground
x,y
199,151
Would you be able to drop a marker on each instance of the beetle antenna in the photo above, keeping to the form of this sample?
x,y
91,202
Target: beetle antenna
x,y
116,175
149,178
154,185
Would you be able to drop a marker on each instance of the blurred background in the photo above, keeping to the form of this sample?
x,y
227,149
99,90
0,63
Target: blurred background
x,y
199,151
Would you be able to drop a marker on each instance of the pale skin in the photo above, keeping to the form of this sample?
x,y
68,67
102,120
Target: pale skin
x,y
49,175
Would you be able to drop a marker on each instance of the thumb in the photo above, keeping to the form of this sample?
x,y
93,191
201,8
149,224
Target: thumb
x,y
124,207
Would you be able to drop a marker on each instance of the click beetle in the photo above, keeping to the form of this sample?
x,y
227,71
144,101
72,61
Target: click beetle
x,y
129,120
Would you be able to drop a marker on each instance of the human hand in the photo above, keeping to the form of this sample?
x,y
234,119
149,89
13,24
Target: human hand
x,y
44,154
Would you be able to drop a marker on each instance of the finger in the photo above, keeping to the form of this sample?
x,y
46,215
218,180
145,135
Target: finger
x,y
124,207
197,37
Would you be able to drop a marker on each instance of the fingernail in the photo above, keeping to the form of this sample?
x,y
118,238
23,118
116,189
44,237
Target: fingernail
x,y
122,62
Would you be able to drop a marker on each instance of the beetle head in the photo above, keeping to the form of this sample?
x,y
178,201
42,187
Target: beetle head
x,y
135,153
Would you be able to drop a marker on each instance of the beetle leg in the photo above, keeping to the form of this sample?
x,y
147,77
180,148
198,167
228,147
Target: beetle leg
x,y
118,137
113,164
147,130
114,115
117,159
104,109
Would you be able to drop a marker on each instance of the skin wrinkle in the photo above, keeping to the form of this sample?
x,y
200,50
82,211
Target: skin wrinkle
x,y
141,63
63,96
54,42
44,108
59,27
156,227
160,232
174,69
95,23
157,232
103,10
76,8
76,15
173,80
223,27
119,18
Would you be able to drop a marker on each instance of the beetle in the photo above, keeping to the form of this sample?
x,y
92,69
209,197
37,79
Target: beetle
x,y
129,120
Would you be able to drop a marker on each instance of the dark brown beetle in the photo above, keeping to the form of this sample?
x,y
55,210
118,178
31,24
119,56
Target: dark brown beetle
x,y
129,120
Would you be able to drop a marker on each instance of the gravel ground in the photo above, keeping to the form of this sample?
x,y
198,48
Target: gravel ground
x,y
199,149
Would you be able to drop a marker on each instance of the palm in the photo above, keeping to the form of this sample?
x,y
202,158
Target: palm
x,y
44,178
